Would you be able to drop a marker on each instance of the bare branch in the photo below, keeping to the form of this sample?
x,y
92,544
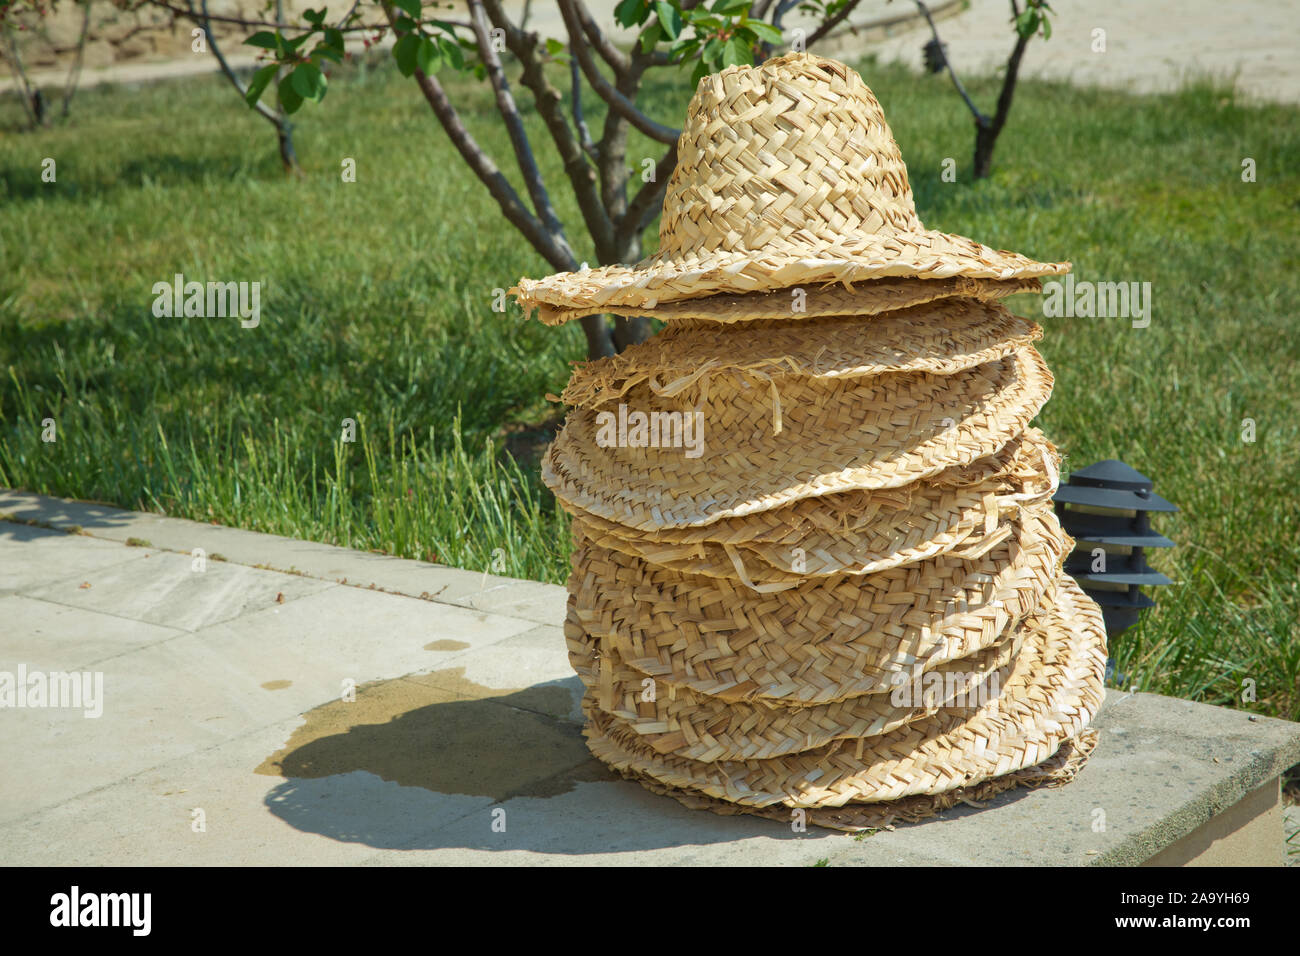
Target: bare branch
x,y
74,71
553,248
584,133
610,53
603,88
648,201
979,117
202,19
275,24
514,124
549,103
831,23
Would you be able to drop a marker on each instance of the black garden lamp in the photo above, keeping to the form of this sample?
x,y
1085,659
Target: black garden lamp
x,y
1105,508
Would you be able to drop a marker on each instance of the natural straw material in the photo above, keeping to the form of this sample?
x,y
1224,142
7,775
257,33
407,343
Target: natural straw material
x,y
787,173
873,297
824,640
1052,694
687,723
1056,771
857,532
942,338
812,437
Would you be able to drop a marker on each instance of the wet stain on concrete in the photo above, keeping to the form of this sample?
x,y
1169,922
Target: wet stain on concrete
x,y
445,733
277,684
446,645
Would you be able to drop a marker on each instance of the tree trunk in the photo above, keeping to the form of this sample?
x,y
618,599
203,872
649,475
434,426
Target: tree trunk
x,y
986,136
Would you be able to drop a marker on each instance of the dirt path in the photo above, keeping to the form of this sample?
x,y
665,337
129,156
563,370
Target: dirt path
x,y
1150,45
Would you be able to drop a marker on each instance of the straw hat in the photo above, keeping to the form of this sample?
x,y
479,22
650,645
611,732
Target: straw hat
x,y
824,640
864,299
857,532
690,724
787,173
1054,690
812,436
938,337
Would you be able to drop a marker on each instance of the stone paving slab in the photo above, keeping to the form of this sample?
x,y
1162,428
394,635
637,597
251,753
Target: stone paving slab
x,y
319,722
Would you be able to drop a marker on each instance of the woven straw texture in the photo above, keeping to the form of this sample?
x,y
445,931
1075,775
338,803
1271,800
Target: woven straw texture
x,y
942,338
1054,690
815,562
865,299
787,173
823,640
834,435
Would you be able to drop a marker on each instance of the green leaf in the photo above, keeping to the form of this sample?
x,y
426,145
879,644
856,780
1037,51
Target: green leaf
x,y
452,53
1047,29
289,97
334,37
264,39
309,82
314,16
322,51
1027,22
428,57
629,13
554,47
712,50
670,19
651,36
410,7
259,83
405,52
448,28
298,41
738,52
700,72
730,7
684,47
765,31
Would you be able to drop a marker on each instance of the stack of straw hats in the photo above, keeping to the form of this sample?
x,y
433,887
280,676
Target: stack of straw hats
x,y
816,566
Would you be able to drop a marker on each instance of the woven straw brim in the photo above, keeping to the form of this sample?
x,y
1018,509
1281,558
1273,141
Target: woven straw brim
x,y
1022,471
824,640
852,533
683,722
864,299
1054,691
942,338
834,435
1056,771
779,263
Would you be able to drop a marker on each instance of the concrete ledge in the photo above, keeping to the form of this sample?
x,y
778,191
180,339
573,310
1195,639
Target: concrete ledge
x,y
512,597
223,693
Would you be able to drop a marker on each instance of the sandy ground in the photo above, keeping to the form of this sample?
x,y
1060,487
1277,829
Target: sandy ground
x,y
1150,45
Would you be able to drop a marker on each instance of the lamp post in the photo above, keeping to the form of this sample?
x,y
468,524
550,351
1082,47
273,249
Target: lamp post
x,y
1108,511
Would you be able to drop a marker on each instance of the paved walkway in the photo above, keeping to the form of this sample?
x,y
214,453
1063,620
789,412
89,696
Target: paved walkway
x,y
224,735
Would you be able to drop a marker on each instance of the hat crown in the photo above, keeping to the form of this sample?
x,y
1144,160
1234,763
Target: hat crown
x,y
795,150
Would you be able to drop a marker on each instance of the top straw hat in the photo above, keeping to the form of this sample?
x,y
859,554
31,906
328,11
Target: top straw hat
x,y
786,173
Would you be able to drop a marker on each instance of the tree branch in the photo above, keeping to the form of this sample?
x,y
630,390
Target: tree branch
x,y
648,201
830,24
549,103
980,118
603,88
575,86
276,24
610,53
202,19
514,124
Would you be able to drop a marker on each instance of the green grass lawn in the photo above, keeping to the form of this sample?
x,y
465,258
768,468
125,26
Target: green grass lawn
x,y
377,303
